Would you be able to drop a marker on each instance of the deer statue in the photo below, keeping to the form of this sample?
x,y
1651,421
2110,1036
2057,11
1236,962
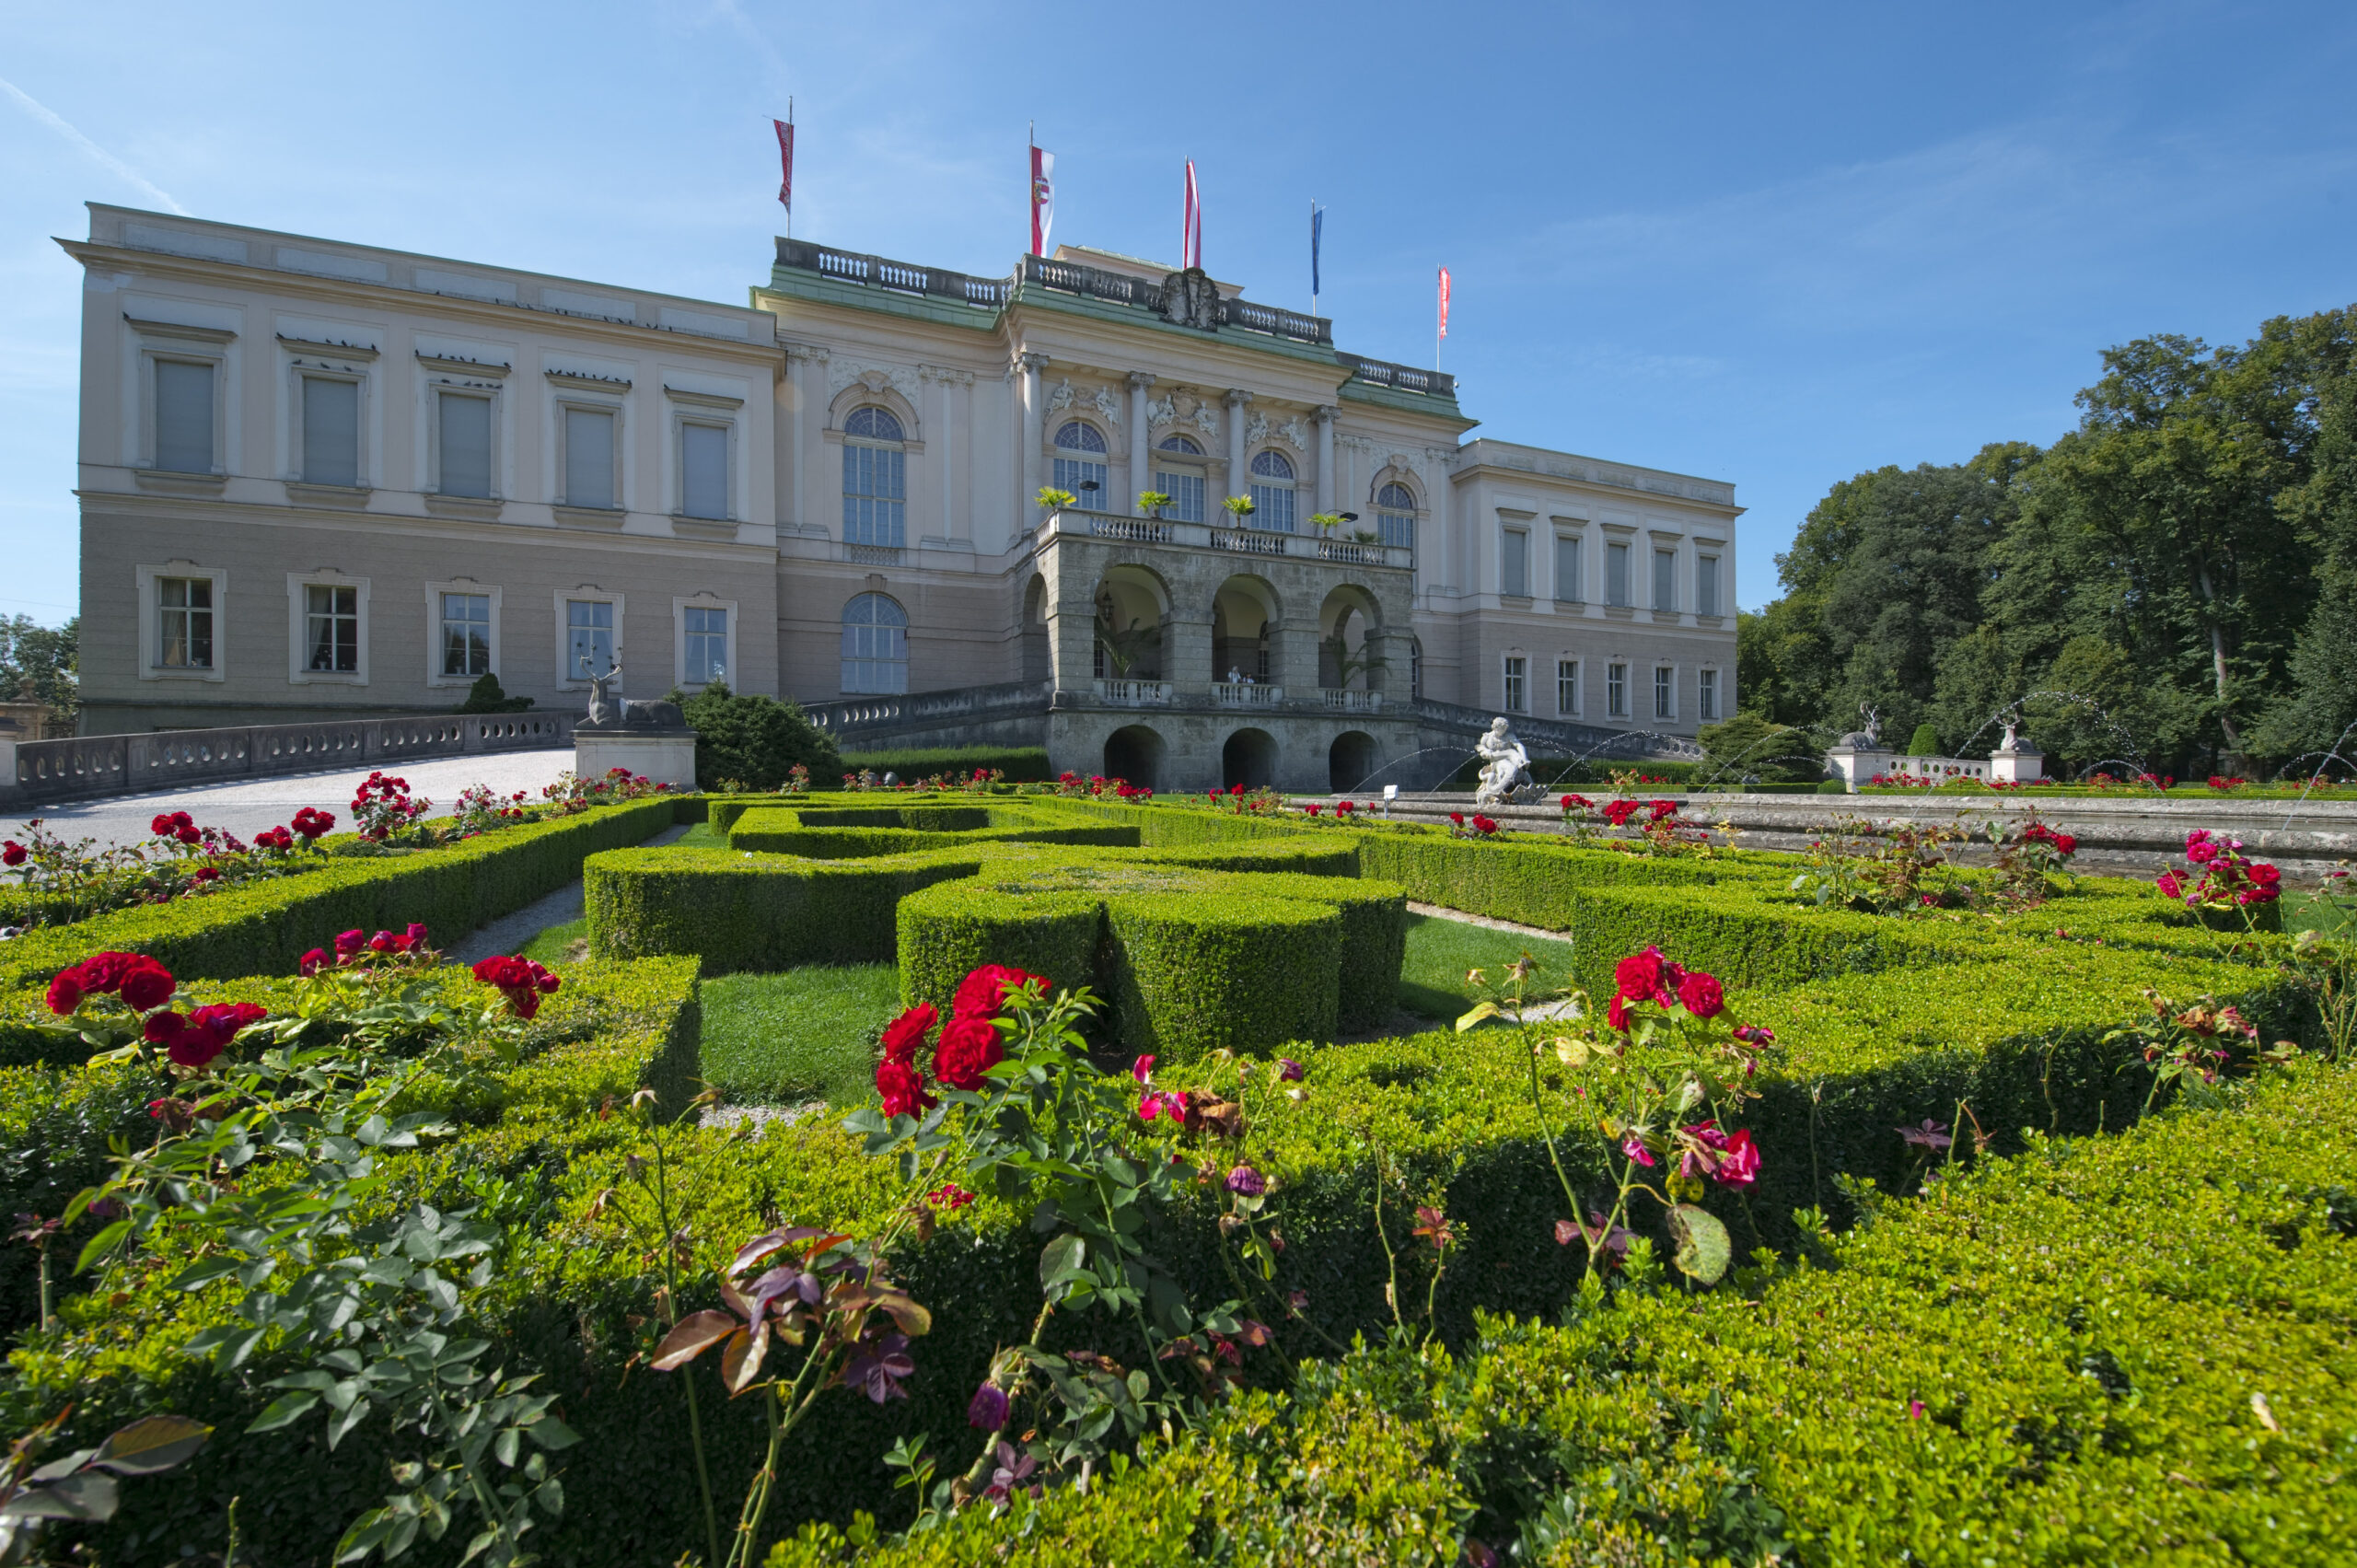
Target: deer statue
x,y
609,710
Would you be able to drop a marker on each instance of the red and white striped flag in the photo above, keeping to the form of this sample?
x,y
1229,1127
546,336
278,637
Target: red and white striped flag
x,y
1443,302
1043,199
786,156
1191,237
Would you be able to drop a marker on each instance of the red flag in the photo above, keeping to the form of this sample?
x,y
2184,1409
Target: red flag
x,y
1043,199
786,156
1443,302
1190,237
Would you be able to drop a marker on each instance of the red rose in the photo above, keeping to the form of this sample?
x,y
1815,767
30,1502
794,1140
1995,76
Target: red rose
x,y
902,1087
146,984
65,992
2065,845
104,972
1617,1014
904,1034
1617,812
163,1028
311,962
160,824
12,853
1638,975
970,1046
982,994
1701,995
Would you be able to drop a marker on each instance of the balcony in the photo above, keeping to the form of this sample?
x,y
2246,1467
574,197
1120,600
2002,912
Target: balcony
x,y
1074,523
1344,702
1246,694
1134,693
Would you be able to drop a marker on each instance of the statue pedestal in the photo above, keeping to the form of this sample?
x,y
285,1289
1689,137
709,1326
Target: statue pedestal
x,y
2016,767
663,756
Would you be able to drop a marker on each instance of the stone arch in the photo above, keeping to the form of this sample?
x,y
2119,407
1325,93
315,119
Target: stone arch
x,y
1353,757
1135,752
874,387
1246,616
1037,663
1350,638
1248,756
1132,616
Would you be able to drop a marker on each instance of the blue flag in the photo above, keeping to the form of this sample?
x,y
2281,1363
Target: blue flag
x,y
1317,229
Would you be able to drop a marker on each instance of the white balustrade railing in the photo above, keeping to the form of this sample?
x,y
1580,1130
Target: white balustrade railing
x,y
1134,694
1173,533
1247,694
1352,702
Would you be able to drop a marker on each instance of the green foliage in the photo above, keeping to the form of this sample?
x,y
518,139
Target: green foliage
x,y
485,697
1021,764
1747,745
1925,742
755,740
807,1033
41,664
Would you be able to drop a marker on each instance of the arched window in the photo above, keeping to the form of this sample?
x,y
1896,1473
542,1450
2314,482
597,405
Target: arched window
x,y
1395,516
1179,479
1272,492
876,646
1083,475
876,490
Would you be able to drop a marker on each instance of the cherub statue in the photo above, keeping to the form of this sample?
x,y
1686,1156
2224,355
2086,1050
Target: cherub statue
x,y
1505,769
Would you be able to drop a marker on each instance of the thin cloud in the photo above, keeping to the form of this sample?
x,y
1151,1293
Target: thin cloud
x,y
56,123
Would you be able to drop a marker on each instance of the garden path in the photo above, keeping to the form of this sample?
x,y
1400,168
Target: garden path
x,y
509,933
247,807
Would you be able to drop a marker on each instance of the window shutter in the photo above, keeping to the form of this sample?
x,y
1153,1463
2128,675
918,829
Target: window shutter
x,y
330,431
465,446
703,469
588,457
183,416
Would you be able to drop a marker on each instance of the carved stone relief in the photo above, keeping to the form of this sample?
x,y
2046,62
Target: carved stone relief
x,y
1191,300
1255,429
1060,396
842,373
1207,420
1297,432
1109,403
1163,410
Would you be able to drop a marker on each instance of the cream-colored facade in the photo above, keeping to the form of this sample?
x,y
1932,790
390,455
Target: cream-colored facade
x,y
318,478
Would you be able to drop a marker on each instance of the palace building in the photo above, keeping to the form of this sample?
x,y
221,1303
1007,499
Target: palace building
x,y
321,480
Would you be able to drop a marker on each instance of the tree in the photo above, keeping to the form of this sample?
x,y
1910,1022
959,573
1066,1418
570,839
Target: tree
x,y
1748,745
485,697
2311,720
1925,742
40,664
753,740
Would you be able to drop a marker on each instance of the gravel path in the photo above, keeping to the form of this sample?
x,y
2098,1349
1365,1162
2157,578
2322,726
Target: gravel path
x,y
510,932
247,807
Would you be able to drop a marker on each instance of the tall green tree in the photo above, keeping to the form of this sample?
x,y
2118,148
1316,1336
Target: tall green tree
x,y
40,664
2312,718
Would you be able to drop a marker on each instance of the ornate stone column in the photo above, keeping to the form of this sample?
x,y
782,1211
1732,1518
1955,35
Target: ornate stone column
x,y
1028,509
1141,453
1325,416
1239,480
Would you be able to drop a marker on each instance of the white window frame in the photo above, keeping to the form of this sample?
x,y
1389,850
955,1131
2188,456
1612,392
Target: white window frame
x,y
299,642
566,680
1628,589
1181,467
1562,664
190,345
1514,684
710,411
680,608
1578,543
496,395
1662,553
1509,538
151,621
573,402
1263,491
1706,695
1384,514
1616,689
1658,671
1718,584
300,373
434,592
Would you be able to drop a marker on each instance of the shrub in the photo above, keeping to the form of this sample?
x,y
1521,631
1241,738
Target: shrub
x,y
1748,744
1021,764
754,739
485,697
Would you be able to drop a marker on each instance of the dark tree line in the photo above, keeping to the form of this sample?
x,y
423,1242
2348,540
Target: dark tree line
x,y
2172,585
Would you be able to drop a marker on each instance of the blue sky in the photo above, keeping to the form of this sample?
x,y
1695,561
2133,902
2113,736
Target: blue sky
x,y
1774,245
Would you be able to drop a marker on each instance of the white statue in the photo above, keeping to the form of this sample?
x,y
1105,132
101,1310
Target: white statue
x,y
2014,740
1505,766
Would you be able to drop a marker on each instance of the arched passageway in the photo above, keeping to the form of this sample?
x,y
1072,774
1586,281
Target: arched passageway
x,y
1350,759
1134,752
1249,758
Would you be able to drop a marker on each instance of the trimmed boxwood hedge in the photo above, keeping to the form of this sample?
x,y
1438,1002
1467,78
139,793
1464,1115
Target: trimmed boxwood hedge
x,y
2100,1351
263,927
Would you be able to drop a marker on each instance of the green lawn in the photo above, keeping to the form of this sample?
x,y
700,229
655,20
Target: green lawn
x,y
805,1034
1432,980
2303,912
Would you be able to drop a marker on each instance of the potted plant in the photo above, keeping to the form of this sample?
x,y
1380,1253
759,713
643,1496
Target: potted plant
x,y
1326,522
1054,500
1240,507
1152,502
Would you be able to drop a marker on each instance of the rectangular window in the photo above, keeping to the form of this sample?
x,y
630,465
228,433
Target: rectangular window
x,y
1664,692
588,457
1517,678
1616,574
1567,569
590,637
184,622
1706,696
1186,493
1665,579
466,445
1397,528
183,416
466,634
1567,686
1513,564
707,645
330,431
704,471
1706,584
1272,508
1616,690
1085,481
331,628
874,496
